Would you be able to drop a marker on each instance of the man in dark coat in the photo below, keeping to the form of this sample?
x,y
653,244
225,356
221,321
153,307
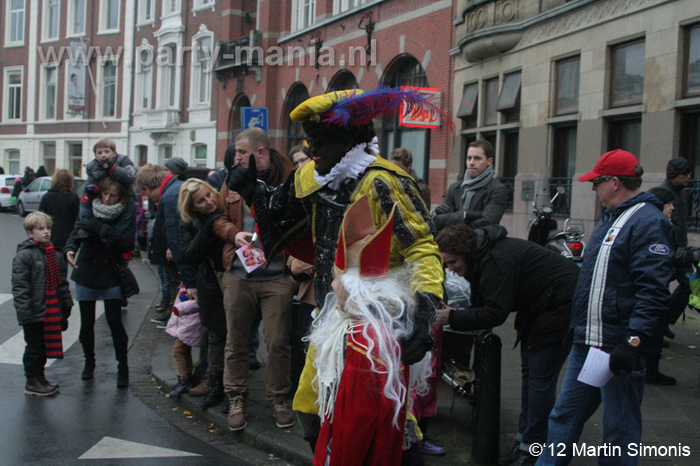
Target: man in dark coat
x,y
678,173
477,200
513,275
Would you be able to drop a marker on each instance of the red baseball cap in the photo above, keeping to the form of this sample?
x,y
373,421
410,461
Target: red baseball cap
x,y
617,162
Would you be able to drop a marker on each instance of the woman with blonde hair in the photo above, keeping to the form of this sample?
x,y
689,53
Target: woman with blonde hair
x,y
202,248
62,204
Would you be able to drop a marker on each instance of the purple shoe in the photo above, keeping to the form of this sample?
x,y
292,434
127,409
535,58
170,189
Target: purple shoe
x,y
431,447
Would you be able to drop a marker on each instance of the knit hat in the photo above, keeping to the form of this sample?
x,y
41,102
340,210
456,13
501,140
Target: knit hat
x,y
617,162
662,194
176,165
677,166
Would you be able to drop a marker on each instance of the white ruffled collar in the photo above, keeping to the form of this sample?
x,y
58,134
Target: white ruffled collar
x,y
353,163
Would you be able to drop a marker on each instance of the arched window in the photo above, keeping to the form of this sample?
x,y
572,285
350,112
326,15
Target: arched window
x,y
342,80
407,72
295,131
234,118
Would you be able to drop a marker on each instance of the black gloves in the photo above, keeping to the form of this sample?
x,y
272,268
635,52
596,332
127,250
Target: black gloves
x,y
415,347
624,357
106,165
243,180
91,225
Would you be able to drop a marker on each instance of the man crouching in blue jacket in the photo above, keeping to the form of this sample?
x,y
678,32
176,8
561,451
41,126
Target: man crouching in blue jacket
x,y
620,298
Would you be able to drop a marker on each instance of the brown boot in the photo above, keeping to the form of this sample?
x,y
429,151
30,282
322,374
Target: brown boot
x,y
34,387
202,389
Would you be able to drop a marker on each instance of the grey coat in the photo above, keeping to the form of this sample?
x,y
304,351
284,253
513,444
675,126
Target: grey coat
x,y
486,207
29,283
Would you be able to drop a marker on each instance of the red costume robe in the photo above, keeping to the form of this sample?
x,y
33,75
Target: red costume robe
x,y
362,432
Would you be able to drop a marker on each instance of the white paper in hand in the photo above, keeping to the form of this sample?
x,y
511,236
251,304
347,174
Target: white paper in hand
x,y
596,369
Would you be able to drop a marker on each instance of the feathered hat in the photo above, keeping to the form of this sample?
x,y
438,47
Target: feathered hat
x,y
355,107
361,244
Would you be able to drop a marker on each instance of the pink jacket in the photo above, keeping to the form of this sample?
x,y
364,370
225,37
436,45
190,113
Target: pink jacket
x,y
185,327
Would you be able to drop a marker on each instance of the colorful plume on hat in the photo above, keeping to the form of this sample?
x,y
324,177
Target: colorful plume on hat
x,y
360,243
354,107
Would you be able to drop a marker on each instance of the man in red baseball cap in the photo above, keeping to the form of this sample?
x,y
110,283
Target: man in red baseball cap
x,y
619,304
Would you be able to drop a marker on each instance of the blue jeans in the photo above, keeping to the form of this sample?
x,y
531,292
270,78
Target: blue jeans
x,y
164,284
622,417
540,373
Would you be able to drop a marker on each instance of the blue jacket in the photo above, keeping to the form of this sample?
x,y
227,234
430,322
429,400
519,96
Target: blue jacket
x,y
168,216
623,286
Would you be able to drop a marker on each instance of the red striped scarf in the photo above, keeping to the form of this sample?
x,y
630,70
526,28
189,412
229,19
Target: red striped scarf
x,y
52,315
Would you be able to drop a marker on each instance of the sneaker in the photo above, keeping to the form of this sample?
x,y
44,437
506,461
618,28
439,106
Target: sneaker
x,y
236,413
34,387
512,455
284,417
431,447
657,378
525,459
161,318
162,325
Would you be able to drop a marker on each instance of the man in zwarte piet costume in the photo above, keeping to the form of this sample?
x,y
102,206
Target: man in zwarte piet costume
x,y
304,214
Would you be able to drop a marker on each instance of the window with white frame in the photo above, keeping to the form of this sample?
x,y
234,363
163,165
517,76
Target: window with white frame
x,y
203,3
167,76
76,17
200,155
109,15
340,6
14,22
166,152
144,79
171,7
12,94
50,78
50,20
12,161
49,157
108,89
303,14
201,70
146,11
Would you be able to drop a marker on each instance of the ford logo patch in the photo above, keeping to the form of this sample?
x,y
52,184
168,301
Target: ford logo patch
x,y
660,249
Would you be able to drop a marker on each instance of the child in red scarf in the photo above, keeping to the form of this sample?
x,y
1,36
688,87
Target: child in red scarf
x,y
42,301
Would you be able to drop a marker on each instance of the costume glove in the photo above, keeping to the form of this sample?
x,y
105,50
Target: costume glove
x,y
243,180
624,357
420,342
92,190
107,166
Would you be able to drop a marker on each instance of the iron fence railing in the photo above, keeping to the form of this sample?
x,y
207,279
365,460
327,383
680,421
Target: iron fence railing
x,y
510,184
561,207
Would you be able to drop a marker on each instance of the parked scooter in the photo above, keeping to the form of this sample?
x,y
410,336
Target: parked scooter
x,y
569,242
544,231
542,225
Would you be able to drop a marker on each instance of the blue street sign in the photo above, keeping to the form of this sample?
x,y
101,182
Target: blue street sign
x,y
254,117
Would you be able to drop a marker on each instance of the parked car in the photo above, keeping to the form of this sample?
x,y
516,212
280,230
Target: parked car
x,y
30,197
7,184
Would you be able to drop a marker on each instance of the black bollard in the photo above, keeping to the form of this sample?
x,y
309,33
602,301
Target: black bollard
x,y
487,388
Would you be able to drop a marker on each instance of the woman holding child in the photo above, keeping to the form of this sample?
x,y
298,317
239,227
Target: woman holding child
x,y
202,247
103,240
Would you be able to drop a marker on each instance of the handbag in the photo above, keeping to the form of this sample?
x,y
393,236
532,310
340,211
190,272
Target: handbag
x,y
127,279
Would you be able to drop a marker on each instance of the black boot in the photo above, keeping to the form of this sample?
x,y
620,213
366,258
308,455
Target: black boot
x,y
123,375
653,376
216,392
183,385
88,369
45,382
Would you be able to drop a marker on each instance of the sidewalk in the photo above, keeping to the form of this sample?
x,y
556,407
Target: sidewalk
x,y
671,414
